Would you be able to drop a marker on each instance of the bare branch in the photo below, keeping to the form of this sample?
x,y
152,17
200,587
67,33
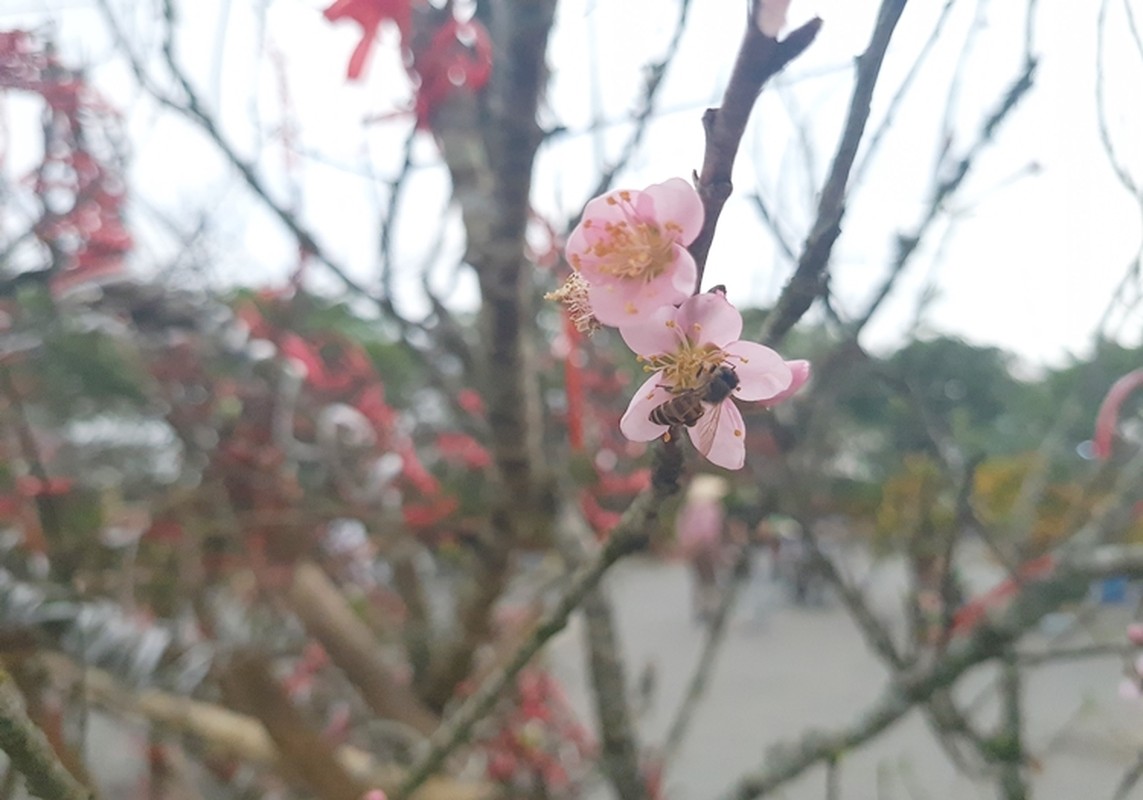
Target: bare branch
x,y
249,685
763,209
1010,745
329,619
239,736
1129,780
29,750
1121,172
629,535
908,244
873,143
619,747
808,278
759,59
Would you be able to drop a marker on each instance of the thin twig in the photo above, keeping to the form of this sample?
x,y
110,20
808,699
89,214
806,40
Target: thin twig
x,y
907,244
759,59
808,278
1118,167
1129,780
1010,746
873,143
29,750
619,750
629,535
386,238
763,209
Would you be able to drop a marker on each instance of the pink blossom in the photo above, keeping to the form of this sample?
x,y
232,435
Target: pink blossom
x,y
1135,633
799,373
631,249
1108,416
770,16
683,346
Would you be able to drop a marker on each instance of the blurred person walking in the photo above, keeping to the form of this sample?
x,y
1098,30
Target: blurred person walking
x,y
699,530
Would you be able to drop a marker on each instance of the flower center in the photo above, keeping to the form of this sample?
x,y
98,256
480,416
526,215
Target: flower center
x,y
688,367
634,250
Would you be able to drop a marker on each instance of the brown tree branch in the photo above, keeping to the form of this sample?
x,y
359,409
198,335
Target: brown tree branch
x,y
29,751
759,59
619,746
238,736
1009,745
249,686
873,142
327,617
808,279
631,534
489,144
31,677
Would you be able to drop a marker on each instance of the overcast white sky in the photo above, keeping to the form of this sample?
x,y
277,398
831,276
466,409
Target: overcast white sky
x,y
1030,265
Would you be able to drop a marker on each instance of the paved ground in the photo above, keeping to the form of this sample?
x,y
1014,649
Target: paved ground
x,y
785,669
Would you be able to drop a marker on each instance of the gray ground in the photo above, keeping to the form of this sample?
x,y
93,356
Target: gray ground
x,y
784,669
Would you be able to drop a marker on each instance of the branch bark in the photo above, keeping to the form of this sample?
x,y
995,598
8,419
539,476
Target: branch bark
x,y
351,645
29,751
250,686
489,144
630,534
808,279
236,735
619,752
759,59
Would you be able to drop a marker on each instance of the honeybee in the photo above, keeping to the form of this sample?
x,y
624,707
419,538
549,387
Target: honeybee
x,y
686,407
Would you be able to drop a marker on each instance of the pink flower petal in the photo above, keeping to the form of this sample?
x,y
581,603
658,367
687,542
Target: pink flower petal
x,y
577,245
710,319
604,210
682,273
762,373
657,334
674,201
801,371
618,302
720,435
636,424
609,300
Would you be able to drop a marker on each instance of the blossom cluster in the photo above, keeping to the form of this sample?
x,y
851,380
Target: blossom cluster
x,y
632,271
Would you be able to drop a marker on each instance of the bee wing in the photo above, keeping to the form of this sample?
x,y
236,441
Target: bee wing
x,y
720,435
